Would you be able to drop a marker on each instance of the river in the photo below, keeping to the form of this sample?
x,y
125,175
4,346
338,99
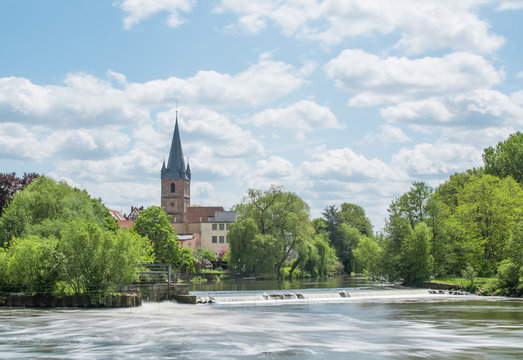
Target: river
x,y
382,323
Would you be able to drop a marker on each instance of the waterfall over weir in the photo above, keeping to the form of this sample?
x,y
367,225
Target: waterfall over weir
x,y
297,296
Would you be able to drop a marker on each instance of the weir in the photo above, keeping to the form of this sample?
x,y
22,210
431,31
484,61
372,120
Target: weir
x,y
304,296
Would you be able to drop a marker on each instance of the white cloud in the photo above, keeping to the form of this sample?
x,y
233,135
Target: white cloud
x,y
303,115
134,165
18,142
421,25
87,101
437,159
344,164
387,134
510,5
392,79
422,111
265,81
210,167
83,101
205,126
202,190
138,10
274,167
475,109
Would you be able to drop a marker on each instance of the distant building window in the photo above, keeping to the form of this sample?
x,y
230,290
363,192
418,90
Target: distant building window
x,y
215,226
222,239
215,239
222,226
188,244
172,187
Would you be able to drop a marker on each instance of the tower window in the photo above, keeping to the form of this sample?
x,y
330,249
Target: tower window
x,y
172,187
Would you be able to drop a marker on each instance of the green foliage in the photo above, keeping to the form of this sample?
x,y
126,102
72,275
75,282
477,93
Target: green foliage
x,y
58,240
508,274
488,209
154,224
10,184
44,207
416,261
354,216
187,261
369,254
33,264
282,220
95,261
469,273
345,228
506,159
200,254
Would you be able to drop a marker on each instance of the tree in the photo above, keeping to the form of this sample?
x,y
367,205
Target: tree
x,y
241,235
282,218
508,274
187,261
204,256
44,207
354,215
10,184
34,264
413,205
154,224
58,240
506,159
95,261
416,261
369,254
489,209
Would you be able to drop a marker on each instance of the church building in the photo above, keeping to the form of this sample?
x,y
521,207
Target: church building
x,y
198,226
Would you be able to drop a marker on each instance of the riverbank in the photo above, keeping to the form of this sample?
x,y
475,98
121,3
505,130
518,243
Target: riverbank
x,y
487,287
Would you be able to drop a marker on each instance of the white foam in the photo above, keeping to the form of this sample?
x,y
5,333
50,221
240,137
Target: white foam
x,y
308,296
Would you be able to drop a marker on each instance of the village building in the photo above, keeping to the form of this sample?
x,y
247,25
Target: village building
x,y
196,226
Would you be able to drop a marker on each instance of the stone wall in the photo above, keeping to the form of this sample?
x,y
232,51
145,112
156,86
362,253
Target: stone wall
x,y
111,301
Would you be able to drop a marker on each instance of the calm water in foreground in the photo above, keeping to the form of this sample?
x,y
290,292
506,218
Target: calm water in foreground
x,y
376,322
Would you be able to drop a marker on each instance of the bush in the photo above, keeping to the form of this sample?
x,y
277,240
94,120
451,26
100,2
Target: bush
x,y
508,274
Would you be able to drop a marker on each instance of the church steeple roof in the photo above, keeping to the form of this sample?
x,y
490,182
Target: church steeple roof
x,y
176,165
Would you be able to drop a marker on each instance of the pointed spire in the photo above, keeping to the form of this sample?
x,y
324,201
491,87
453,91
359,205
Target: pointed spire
x,y
176,164
188,172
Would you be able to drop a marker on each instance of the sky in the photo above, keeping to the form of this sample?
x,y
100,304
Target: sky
x,y
336,100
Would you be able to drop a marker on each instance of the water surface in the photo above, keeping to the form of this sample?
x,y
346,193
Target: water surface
x,y
368,327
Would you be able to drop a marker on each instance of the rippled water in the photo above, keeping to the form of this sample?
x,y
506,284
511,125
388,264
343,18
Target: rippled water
x,y
396,326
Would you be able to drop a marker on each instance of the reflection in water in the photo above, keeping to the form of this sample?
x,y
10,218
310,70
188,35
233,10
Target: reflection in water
x,y
433,326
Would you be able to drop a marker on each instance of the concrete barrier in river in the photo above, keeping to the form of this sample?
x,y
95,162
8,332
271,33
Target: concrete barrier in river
x,y
38,300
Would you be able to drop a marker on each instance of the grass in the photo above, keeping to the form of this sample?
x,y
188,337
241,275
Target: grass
x,y
465,282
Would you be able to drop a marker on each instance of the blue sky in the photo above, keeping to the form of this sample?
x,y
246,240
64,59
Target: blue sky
x,y
337,100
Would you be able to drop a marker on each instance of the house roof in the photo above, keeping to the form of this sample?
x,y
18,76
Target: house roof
x,y
125,224
117,215
198,214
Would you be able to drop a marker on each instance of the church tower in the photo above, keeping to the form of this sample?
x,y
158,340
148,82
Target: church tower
x,y
176,181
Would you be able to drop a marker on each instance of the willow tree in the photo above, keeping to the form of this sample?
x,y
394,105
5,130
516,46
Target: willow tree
x,y
281,222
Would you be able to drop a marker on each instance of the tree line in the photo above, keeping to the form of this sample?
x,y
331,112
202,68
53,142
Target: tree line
x,y
57,239
472,223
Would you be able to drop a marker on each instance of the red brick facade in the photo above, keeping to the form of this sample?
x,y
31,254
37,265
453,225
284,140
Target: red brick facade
x,y
176,198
